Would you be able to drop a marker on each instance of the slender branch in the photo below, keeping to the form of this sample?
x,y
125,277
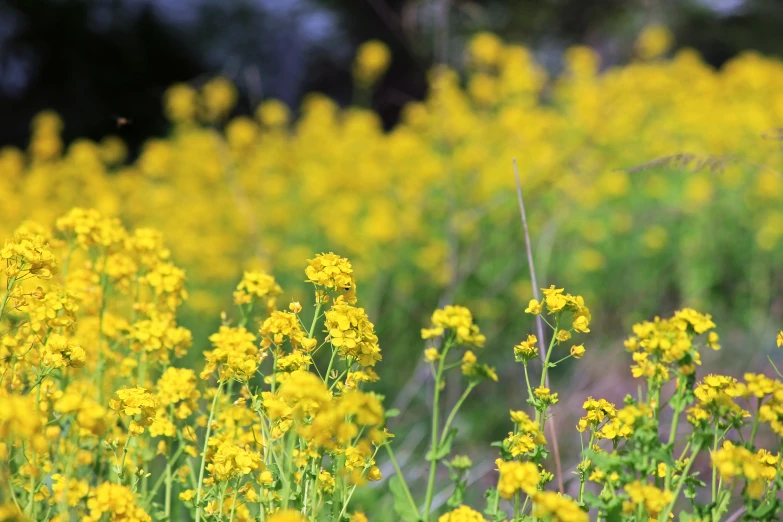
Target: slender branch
x,y
539,322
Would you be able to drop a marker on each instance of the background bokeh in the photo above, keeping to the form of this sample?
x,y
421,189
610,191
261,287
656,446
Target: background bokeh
x,y
647,136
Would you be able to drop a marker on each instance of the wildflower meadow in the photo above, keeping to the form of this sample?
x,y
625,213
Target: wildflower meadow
x,y
292,316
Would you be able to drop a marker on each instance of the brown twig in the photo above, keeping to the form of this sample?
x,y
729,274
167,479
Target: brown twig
x,y
539,322
736,515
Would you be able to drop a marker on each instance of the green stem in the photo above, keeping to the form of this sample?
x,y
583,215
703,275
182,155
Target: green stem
x,y
398,471
167,509
7,295
582,476
755,422
158,483
204,453
434,439
290,456
30,510
527,381
234,501
548,356
664,515
315,319
121,466
541,416
454,410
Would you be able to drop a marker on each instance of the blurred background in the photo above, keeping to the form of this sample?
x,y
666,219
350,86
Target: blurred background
x,y
647,134
95,60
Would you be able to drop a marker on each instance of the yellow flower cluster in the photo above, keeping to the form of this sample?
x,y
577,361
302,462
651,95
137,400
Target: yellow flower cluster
x,y
158,336
116,503
623,424
757,469
60,352
527,349
517,476
663,344
596,412
525,437
372,60
557,508
462,514
459,321
653,499
352,333
334,274
230,461
257,285
556,301
280,326
715,401
235,355
28,254
136,403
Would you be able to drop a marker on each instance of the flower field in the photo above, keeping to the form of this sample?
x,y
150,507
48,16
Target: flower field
x,y
225,326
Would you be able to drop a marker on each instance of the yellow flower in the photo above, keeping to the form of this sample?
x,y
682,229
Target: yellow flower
x,y
333,273
462,514
581,324
534,307
545,396
372,60
431,354
136,403
485,49
653,499
780,339
28,254
459,320
352,333
517,476
288,515
218,97
577,351
527,349
654,41
114,502
235,355
557,508
257,285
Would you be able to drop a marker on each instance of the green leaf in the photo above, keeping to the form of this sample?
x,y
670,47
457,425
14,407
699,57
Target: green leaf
x,y
442,450
458,496
392,413
763,510
402,506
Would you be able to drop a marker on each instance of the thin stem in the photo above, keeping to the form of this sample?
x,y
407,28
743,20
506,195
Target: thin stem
x,y
755,422
204,453
290,456
527,381
582,476
234,501
401,477
664,515
121,466
315,319
454,410
539,319
7,295
434,439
